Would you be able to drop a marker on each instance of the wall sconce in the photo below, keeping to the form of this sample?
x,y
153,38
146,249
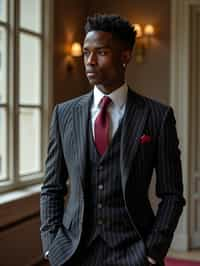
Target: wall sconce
x,y
72,50
143,41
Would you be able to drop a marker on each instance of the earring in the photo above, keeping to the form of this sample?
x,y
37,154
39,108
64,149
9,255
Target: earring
x,y
124,65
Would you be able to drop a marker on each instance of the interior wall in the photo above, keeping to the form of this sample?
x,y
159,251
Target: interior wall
x,y
19,232
150,78
69,19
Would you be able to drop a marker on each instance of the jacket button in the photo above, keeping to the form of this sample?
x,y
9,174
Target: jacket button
x,y
100,187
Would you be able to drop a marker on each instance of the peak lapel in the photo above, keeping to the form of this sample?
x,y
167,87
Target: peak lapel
x,y
80,129
133,125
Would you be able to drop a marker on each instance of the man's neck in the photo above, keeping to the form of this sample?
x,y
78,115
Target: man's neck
x,y
110,89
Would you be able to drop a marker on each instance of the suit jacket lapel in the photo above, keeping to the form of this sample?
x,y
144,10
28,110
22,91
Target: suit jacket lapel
x,y
133,125
80,129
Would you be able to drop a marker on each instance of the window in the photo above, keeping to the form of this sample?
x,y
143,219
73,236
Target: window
x,y
25,86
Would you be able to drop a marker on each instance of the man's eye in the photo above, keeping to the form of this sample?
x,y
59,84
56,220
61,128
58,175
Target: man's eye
x,y
102,52
85,53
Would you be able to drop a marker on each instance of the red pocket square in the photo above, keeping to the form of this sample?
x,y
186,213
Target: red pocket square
x,y
145,139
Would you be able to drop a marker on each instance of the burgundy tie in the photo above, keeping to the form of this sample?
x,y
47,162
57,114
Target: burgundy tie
x,y
101,126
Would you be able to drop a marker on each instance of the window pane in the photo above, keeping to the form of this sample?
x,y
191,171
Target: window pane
x,y
30,15
3,57
29,141
30,69
3,10
3,146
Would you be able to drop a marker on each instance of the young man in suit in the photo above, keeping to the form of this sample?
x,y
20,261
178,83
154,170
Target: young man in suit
x,y
103,147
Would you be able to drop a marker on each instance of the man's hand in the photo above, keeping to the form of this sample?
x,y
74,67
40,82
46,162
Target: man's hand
x,y
151,261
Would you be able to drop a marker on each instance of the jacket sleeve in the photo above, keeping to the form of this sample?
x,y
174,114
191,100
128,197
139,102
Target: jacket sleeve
x,y
54,186
169,188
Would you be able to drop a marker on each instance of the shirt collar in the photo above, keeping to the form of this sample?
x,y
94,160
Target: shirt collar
x,y
118,96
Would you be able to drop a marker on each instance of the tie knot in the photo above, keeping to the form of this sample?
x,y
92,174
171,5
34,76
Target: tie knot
x,y
105,101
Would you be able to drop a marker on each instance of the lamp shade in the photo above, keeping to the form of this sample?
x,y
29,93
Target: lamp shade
x,y
138,30
149,30
76,49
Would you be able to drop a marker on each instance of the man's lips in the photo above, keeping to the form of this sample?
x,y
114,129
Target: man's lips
x,y
91,73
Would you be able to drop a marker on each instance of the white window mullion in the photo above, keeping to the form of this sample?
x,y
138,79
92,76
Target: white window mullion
x,y
48,25
10,105
4,65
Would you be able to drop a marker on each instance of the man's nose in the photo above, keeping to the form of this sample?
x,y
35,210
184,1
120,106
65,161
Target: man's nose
x,y
92,59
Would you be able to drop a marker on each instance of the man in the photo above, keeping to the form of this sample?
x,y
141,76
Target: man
x,y
103,148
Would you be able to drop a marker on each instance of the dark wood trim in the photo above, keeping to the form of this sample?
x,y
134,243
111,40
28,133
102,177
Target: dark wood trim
x,y
19,221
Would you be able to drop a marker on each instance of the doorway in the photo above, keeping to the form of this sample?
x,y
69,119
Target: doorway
x,y
185,99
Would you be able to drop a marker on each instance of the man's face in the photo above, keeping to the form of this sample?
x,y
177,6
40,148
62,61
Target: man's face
x,y
103,60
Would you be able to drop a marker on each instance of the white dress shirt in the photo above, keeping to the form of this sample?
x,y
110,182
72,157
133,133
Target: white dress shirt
x,y
116,108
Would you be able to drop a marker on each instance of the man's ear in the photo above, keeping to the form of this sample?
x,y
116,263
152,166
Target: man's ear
x,y
126,56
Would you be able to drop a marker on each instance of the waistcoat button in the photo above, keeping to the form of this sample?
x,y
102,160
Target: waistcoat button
x,y
100,187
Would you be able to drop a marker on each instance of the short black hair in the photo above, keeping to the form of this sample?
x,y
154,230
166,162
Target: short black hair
x,y
120,28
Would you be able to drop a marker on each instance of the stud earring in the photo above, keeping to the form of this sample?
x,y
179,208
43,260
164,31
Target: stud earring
x,y
124,65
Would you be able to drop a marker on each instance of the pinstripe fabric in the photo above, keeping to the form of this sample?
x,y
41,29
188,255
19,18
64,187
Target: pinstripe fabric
x,y
100,254
116,229
61,225
105,171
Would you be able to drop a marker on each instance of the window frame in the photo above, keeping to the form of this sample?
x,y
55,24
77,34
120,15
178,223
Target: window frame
x,y
5,106
15,180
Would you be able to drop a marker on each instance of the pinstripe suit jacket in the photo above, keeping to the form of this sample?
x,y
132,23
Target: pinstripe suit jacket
x,y
61,218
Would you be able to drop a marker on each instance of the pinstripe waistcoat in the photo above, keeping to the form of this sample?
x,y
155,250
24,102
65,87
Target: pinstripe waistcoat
x,y
105,212
62,220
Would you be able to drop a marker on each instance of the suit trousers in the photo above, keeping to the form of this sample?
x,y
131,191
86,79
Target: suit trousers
x,y
99,253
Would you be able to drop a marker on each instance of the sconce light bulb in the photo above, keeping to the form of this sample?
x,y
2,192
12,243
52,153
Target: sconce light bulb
x,y
149,30
138,30
76,49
